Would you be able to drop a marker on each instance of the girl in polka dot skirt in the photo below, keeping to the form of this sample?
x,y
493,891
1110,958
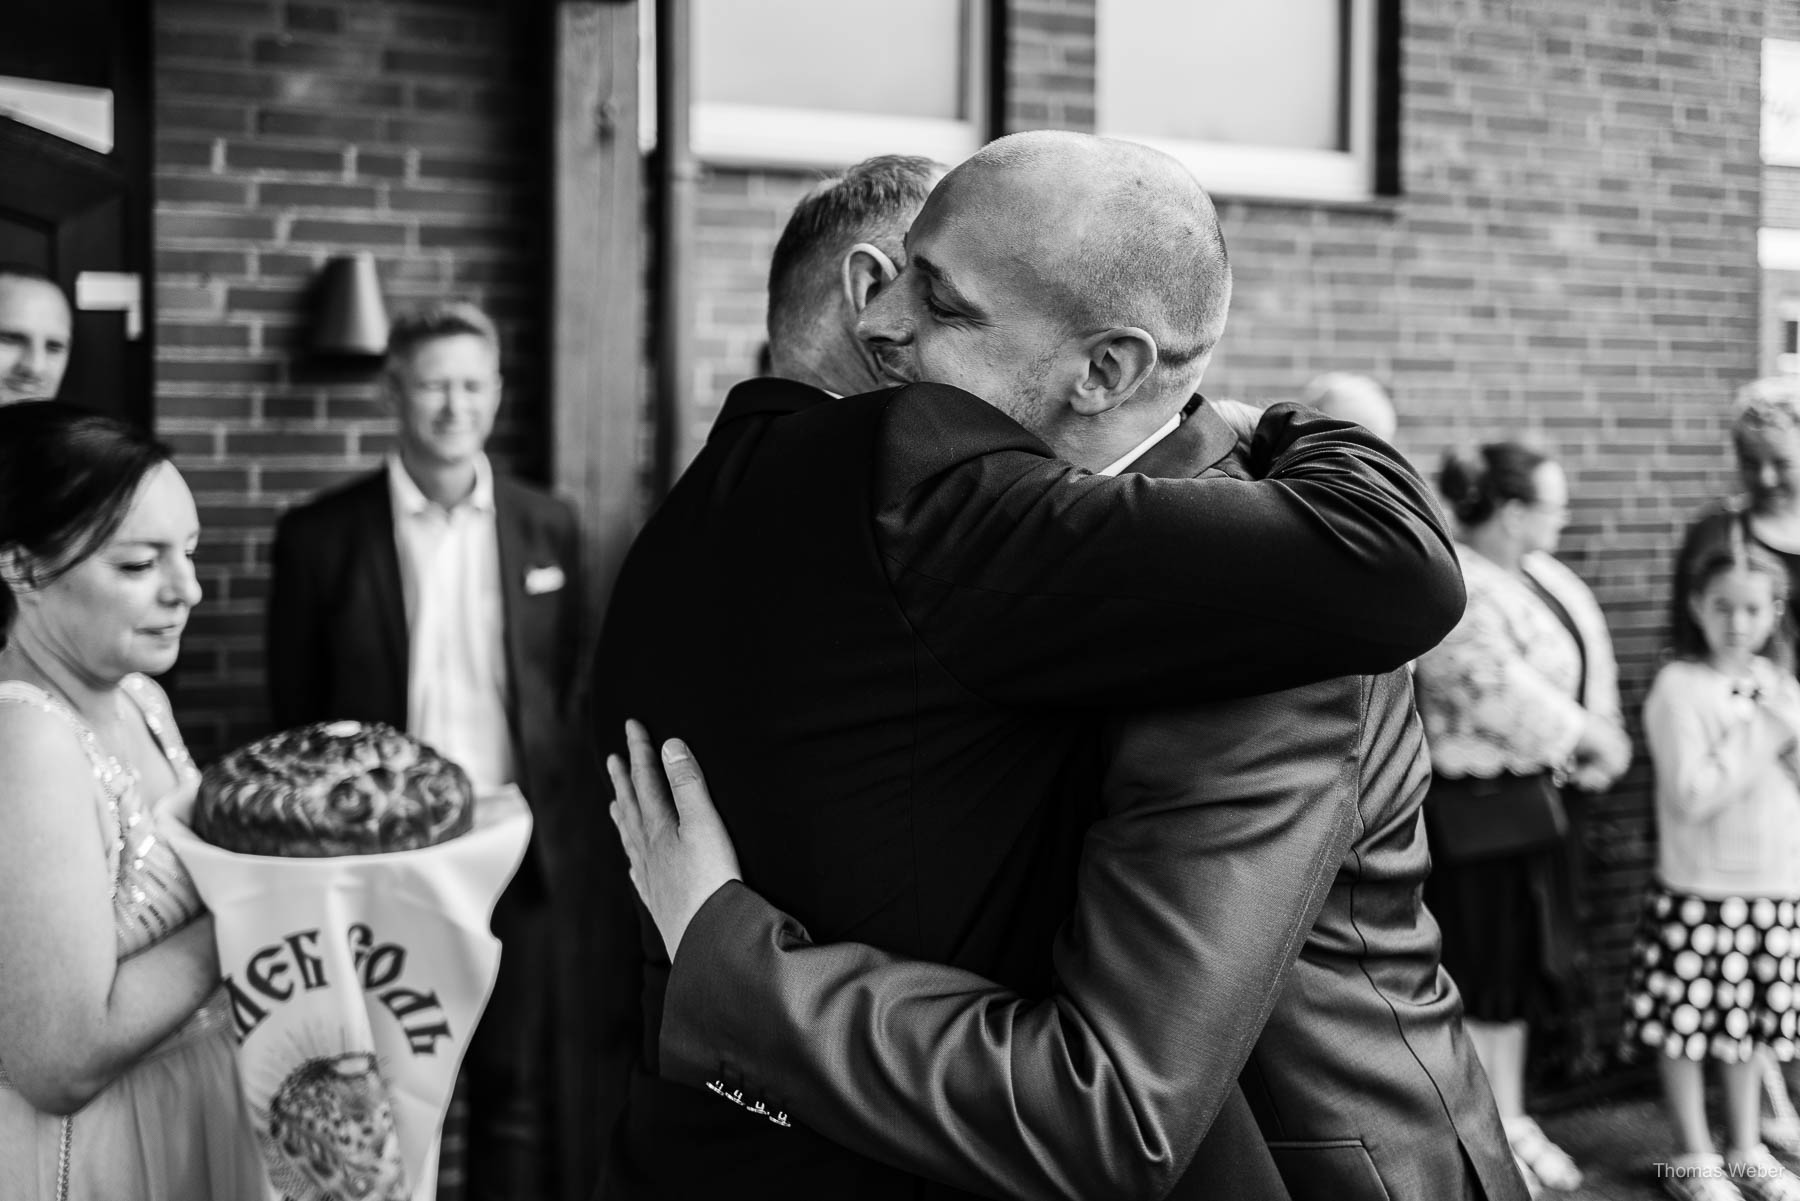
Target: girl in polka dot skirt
x,y
1717,951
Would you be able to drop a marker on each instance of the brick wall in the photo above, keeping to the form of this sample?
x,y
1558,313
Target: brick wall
x,y
1571,260
286,133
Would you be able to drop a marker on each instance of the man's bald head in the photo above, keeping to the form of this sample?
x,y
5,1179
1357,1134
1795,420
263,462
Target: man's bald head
x,y
1077,284
1351,397
1120,234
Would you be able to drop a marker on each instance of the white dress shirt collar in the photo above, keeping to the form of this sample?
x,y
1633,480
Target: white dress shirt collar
x,y
1131,456
409,499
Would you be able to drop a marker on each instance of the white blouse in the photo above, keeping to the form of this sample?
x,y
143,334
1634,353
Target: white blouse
x,y
1727,798
1498,694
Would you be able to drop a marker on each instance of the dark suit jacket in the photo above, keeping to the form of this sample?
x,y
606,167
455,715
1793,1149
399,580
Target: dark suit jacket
x,y
882,623
1235,835
337,638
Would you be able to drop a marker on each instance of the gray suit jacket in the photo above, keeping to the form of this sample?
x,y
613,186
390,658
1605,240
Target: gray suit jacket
x,y
1237,839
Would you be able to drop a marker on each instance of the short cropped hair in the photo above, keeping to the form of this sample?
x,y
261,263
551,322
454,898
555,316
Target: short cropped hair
x,y
874,201
448,319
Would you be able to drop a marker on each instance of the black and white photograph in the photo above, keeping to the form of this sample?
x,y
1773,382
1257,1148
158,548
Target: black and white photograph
x,y
899,600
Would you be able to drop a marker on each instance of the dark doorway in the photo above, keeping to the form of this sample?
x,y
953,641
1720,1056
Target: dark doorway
x,y
75,182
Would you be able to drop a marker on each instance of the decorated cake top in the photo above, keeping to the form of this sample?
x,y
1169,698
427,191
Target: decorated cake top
x,y
333,788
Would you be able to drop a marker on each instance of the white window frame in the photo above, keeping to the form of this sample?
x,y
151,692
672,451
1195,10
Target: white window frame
x,y
754,135
1284,173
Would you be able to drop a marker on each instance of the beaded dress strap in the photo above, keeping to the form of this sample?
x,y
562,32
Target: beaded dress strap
x,y
114,778
155,710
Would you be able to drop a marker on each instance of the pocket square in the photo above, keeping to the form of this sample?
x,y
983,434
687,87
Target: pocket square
x,y
539,580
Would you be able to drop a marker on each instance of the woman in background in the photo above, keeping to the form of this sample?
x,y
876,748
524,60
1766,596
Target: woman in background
x,y
1519,698
117,1078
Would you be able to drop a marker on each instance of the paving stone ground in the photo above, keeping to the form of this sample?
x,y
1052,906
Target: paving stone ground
x,y
1617,1139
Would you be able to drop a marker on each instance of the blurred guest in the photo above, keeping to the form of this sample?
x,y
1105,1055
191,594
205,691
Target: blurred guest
x,y
1351,397
1521,696
1722,721
35,325
443,598
1765,433
117,1071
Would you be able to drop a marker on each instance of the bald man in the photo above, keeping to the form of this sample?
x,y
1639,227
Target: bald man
x,y
885,622
1351,397
35,325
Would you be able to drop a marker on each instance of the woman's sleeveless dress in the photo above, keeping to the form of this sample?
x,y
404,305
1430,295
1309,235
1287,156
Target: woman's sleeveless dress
x,y
174,1126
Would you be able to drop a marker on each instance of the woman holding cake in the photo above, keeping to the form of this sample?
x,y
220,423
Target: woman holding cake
x,y
117,1078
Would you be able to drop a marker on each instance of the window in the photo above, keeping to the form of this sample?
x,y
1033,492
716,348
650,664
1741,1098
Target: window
x,y
826,83
1787,350
1275,98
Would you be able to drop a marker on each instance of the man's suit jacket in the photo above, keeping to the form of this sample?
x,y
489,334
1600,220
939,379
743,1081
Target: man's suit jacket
x,y
337,636
882,622
1236,835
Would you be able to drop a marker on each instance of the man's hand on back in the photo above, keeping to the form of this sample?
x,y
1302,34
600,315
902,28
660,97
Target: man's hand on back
x,y
679,851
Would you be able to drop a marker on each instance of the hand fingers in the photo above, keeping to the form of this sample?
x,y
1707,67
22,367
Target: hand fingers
x,y
692,801
626,814
647,776
634,858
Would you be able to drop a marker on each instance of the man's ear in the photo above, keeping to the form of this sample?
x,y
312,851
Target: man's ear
x,y
1118,363
866,270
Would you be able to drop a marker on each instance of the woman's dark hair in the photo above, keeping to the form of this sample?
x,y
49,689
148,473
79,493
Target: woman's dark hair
x,y
1477,482
67,478
1712,558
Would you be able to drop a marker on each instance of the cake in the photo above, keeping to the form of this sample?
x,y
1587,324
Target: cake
x,y
333,788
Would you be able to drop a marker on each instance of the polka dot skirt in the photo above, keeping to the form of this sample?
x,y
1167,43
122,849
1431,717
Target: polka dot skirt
x,y
1710,979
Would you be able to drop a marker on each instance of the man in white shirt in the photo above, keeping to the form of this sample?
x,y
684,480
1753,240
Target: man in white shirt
x,y
441,597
